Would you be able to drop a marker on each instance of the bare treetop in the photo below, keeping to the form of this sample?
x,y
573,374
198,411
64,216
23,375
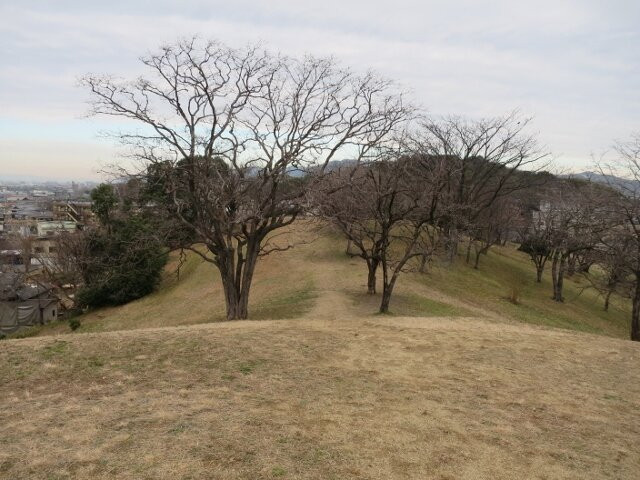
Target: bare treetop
x,y
251,108
484,154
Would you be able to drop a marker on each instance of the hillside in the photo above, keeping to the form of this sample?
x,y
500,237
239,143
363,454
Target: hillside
x,y
458,383
316,279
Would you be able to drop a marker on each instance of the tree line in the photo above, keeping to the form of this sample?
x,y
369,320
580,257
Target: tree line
x,y
237,144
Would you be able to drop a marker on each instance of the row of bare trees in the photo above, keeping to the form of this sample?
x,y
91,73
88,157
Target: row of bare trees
x,y
451,178
579,224
236,144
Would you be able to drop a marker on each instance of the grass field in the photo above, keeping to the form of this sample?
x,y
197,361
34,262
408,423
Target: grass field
x,y
458,383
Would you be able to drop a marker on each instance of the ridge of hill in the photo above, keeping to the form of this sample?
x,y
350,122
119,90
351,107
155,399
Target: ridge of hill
x,y
316,279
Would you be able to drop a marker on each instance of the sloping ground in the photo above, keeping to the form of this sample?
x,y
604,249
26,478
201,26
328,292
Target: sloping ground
x,y
375,398
459,383
318,280
506,271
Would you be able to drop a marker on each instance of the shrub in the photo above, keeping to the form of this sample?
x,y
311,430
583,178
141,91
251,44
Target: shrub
x,y
514,295
74,324
123,264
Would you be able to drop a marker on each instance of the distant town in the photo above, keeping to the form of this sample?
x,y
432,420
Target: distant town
x,y
32,216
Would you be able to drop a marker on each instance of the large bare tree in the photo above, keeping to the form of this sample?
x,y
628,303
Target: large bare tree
x,y
232,138
575,219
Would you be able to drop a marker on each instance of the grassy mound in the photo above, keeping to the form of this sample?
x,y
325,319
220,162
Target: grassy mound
x,y
376,398
318,280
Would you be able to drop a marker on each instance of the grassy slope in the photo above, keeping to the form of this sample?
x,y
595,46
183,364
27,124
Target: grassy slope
x,y
288,285
505,269
336,392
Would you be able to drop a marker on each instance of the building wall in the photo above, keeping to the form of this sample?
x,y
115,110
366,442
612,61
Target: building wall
x,y
16,315
46,229
50,312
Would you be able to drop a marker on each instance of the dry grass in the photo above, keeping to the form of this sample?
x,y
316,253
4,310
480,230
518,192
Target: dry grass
x,y
318,280
381,398
455,385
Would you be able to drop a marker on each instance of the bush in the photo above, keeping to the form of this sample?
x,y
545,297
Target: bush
x,y
514,295
123,264
74,324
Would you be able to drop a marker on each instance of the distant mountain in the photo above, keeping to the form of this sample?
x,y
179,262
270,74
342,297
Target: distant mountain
x,y
331,166
622,184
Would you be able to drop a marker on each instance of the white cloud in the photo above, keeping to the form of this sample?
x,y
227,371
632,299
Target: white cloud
x,y
571,64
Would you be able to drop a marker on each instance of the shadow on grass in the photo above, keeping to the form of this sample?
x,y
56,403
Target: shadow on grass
x,y
408,305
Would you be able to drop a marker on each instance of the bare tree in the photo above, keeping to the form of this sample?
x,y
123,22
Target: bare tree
x,y
348,208
612,257
576,215
623,176
227,133
25,245
493,226
63,267
385,212
484,159
536,240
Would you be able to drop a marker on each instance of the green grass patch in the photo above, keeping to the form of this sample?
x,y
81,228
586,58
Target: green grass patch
x,y
505,269
249,366
410,305
278,472
54,349
291,304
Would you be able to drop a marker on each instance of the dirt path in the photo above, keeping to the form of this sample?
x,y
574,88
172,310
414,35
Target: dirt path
x,y
336,282
331,302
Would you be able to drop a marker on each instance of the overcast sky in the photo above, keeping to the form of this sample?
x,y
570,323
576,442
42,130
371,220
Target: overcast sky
x,y
572,65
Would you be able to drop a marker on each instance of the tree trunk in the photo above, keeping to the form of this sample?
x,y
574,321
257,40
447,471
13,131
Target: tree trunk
x,y
387,286
476,264
482,251
387,290
469,251
571,265
372,266
236,275
231,294
539,271
253,249
423,263
561,270
606,300
635,312
452,245
559,265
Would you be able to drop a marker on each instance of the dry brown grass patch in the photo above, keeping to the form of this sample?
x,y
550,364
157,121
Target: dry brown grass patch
x,y
379,398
